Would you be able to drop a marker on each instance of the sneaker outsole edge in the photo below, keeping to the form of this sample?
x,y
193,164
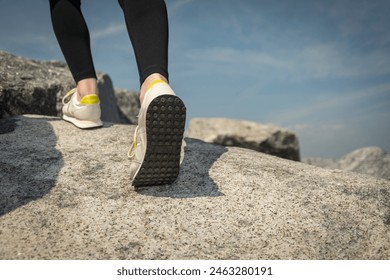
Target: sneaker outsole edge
x,y
83,124
165,122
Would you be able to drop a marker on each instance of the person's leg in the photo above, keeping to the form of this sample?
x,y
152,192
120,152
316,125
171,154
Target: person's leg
x,y
147,24
155,152
73,37
81,105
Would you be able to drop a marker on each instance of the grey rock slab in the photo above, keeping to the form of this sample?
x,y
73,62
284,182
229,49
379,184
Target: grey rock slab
x,y
30,86
66,194
108,102
372,161
264,138
37,87
128,105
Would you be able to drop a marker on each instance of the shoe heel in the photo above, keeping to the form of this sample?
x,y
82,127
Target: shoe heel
x,y
165,122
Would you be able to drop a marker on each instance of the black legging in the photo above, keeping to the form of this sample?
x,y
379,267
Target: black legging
x,y
147,25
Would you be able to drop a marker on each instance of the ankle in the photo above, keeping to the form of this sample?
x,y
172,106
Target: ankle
x,y
85,87
148,81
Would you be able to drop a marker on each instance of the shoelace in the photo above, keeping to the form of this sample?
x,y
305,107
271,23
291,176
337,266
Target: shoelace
x,y
131,152
69,93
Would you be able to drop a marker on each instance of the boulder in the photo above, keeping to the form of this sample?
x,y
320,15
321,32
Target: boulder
x,y
128,105
268,139
37,87
30,86
65,193
108,103
372,161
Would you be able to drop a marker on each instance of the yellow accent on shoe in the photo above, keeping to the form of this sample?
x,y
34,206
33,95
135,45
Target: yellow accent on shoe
x,y
90,99
131,152
155,82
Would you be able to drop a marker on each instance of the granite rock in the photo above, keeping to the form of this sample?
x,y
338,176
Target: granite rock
x,y
372,161
268,139
128,105
36,87
30,86
63,196
108,102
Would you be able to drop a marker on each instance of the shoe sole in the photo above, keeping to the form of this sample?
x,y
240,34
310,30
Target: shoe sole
x,y
165,122
83,124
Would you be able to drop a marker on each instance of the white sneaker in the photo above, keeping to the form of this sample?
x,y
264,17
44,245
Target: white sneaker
x,y
84,113
155,152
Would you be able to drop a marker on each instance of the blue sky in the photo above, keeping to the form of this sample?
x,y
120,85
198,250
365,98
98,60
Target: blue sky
x,y
319,68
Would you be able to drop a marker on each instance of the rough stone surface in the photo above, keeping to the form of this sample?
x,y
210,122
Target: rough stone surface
x,y
372,161
128,104
246,134
108,103
37,87
63,196
328,163
29,86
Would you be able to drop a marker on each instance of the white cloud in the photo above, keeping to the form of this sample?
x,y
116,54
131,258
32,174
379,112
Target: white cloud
x,y
328,104
238,57
313,62
177,5
331,60
112,29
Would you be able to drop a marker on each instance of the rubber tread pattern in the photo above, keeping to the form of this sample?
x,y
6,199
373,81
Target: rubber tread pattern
x,y
165,122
